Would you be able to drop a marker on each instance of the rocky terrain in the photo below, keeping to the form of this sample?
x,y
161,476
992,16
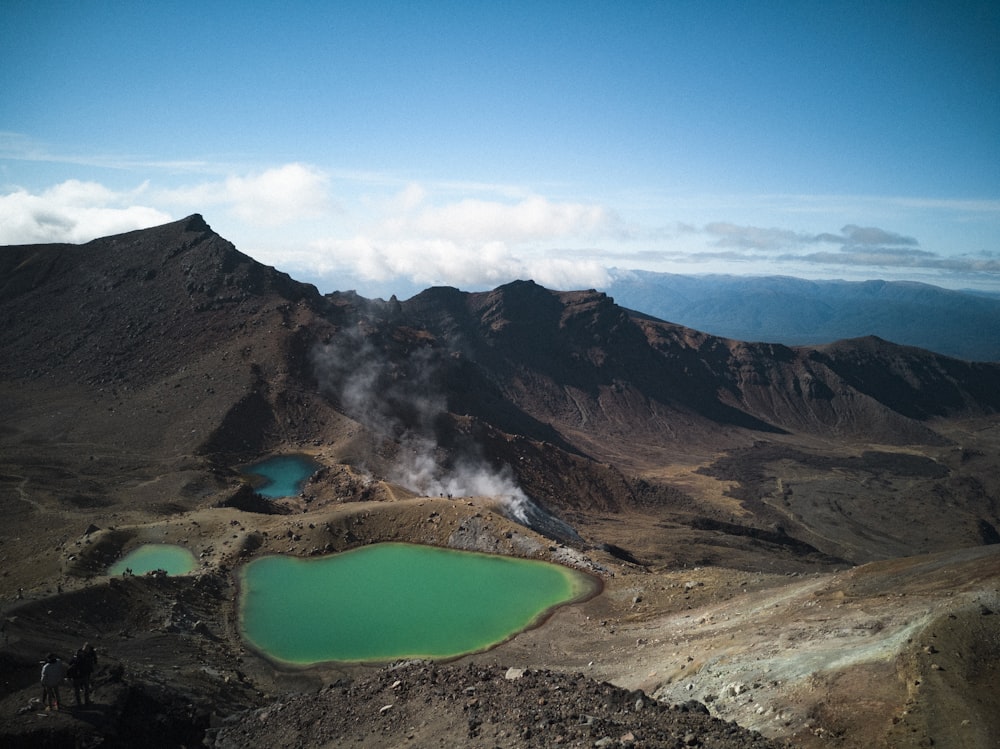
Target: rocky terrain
x,y
797,545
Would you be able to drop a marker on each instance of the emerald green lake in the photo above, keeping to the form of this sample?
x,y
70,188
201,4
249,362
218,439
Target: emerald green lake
x,y
393,600
281,476
176,560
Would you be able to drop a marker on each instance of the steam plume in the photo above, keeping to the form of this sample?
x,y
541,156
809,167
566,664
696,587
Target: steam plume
x,y
402,398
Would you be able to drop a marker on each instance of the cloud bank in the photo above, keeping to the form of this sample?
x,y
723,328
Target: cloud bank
x,y
472,242
73,211
341,230
759,238
274,197
475,220
860,247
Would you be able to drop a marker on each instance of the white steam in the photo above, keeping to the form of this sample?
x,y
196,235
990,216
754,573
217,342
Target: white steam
x,y
403,401
417,469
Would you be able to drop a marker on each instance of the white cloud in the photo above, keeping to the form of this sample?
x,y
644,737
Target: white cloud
x,y
411,197
898,258
469,243
872,235
434,262
282,195
532,218
73,211
770,239
753,237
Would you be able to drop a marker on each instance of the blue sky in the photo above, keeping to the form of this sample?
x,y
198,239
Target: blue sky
x,y
389,146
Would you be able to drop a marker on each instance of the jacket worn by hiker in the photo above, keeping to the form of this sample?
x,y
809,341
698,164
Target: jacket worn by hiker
x,y
53,673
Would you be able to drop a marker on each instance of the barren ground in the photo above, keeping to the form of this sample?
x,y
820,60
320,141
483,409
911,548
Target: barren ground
x,y
795,647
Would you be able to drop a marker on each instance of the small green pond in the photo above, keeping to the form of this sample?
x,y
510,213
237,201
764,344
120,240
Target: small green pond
x,y
392,600
281,476
176,560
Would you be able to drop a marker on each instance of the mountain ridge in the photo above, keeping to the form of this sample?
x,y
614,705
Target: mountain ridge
x,y
599,349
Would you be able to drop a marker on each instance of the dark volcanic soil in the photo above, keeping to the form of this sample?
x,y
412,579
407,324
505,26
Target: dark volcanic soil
x,y
420,704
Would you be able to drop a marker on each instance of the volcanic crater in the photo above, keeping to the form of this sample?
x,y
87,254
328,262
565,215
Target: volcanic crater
x,y
797,546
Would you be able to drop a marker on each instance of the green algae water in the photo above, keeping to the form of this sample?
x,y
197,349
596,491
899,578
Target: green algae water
x,y
176,560
393,600
282,475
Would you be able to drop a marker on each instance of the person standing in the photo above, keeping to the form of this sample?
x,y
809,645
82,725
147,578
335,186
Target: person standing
x,y
53,672
81,667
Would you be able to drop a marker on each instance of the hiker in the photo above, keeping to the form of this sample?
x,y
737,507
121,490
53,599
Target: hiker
x,y
53,672
81,666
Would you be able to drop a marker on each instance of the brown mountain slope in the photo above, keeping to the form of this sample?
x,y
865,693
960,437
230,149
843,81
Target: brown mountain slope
x,y
576,360
129,308
169,334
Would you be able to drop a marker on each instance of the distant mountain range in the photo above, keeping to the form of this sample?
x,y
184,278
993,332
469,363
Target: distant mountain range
x,y
794,311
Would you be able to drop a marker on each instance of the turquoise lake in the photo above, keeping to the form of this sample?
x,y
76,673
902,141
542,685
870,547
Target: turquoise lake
x,y
281,476
176,560
389,601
